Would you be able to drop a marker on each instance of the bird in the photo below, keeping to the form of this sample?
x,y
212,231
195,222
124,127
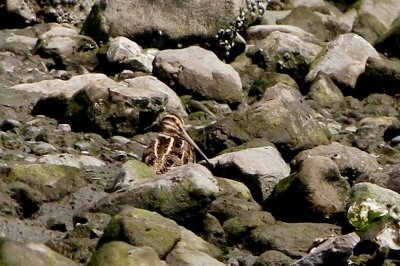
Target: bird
x,y
172,147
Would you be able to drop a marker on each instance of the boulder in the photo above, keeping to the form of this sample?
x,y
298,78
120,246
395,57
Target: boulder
x,y
141,228
280,116
351,161
388,177
343,60
199,72
257,33
315,192
260,169
182,193
181,256
286,53
325,92
272,258
18,254
71,160
119,253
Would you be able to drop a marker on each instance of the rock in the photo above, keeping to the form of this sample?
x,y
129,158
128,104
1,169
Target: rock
x,y
352,162
387,42
238,228
233,199
68,49
315,192
125,53
181,256
77,161
13,253
120,254
167,24
260,169
199,72
273,258
343,60
43,148
324,91
259,32
294,125
335,250
52,181
292,239
189,240
180,194
132,172
9,124
142,228
388,177
287,53
18,13
324,26
380,76
154,86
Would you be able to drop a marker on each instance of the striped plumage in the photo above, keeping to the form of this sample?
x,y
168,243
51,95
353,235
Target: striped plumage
x,y
172,147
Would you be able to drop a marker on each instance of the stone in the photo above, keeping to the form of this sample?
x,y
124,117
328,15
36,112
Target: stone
x,y
52,181
295,127
335,250
19,13
125,53
260,169
168,24
131,173
200,72
142,228
119,253
325,92
13,253
287,53
315,192
43,148
182,193
68,49
388,177
72,160
343,60
259,32
351,161
292,239
181,256
273,258
233,199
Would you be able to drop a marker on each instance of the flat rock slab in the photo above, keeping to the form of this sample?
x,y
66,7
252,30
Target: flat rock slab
x,y
259,168
180,194
200,72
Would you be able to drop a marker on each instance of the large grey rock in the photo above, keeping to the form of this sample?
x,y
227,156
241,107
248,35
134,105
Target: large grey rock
x,y
131,173
119,253
126,53
315,192
13,253
259,168
142,228
67,48
388,177
200,72
101,105
180,194
181,256
72,160
352,162
287,53
234,198
343,60
280,117
335,250
167,23
292,239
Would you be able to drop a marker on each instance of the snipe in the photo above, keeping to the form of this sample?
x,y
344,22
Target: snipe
x,y
172,147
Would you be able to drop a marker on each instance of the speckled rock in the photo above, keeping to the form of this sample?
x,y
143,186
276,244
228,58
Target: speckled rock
x,y
343,60
259,168
199,71
352,162
122,254
141,228
13,253
315,192
180,194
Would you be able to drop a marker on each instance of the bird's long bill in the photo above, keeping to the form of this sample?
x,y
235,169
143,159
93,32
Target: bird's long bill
x,y
191,142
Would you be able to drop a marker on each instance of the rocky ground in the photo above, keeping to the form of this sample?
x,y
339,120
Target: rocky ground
x,y
295,102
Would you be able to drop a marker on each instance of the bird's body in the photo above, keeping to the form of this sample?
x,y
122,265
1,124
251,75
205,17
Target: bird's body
x,y
172,147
